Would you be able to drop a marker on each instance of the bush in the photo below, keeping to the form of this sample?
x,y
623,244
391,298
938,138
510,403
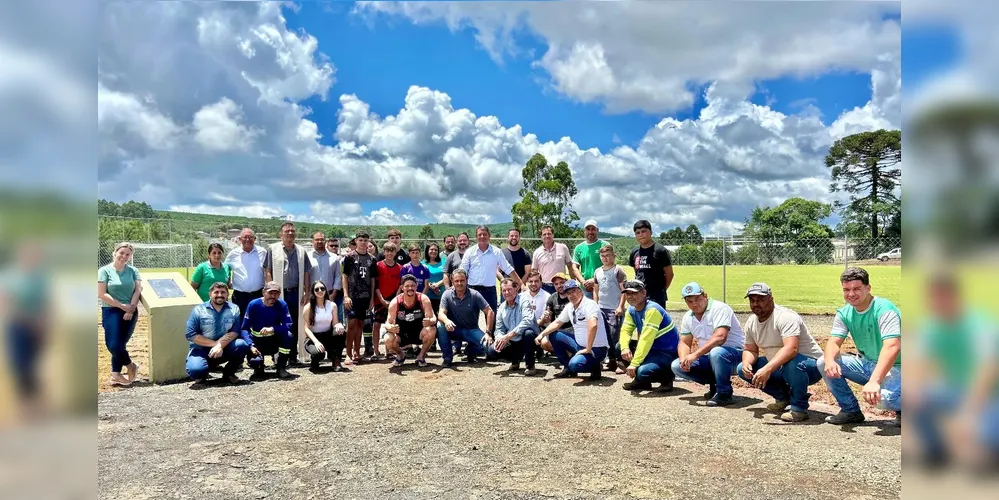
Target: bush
x,y
687,255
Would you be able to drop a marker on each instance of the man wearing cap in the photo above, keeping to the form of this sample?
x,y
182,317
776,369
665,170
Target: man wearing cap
x,y
719,345
585,350
553,309
788,364
648,340
214,335
515,330
267,326
586,257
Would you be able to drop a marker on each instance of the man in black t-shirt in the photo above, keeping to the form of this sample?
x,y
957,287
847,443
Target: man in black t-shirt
x,y
652,263
359,273
519,258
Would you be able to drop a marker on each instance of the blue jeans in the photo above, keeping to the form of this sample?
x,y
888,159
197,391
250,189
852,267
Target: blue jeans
x,y
714,369
858,370
472,336
656,368
117,332
488,293
789,382
516,351
339,309
198,362
566,347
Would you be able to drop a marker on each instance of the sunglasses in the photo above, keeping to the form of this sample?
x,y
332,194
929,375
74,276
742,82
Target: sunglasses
x,y
319,289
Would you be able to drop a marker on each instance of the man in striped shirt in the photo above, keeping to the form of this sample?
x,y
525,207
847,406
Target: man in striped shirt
x,y
648,340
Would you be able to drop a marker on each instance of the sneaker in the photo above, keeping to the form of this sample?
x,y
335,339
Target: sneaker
x,y
514,367
283,373
778,405
595,376
258,372
794,416
471,359
530,372
231,378
637,386
711,393
564,374
446,364
665,386
720,400
844,417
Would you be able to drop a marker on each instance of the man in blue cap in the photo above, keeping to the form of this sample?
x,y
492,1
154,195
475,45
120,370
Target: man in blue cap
x,y
719,345
587,347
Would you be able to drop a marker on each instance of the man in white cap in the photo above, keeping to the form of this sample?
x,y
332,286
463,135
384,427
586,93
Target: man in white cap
x,y
787,365
586,257
719,345
586,348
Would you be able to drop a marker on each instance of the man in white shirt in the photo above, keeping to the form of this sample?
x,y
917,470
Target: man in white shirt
x,y
483,263
586,349
535,295
247,264
787,364
719,345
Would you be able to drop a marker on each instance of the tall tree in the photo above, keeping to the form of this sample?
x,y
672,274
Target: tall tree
x,y
865,166
693,235
108,208
795,226
426,233
546,198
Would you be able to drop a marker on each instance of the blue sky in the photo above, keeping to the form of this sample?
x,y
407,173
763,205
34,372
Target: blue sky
x,y
379,60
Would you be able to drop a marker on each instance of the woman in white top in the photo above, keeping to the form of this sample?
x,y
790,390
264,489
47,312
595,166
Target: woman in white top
x,y
326,333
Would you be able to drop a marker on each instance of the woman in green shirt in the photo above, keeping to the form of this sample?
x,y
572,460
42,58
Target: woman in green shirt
x,y
211,271
119,286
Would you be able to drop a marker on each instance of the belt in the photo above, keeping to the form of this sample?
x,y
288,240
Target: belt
x,y
292,289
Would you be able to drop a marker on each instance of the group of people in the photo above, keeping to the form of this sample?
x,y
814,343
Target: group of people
x,y
303,306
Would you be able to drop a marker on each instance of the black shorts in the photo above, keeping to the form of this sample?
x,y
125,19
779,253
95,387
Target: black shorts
x,y
409,337
359,308
381,315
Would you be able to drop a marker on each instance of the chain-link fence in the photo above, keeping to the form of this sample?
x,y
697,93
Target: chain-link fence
x,y
803,272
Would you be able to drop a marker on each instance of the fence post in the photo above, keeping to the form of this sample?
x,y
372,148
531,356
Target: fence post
x,y
846,251
724,269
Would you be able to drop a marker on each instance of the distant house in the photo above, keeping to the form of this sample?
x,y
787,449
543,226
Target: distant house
x,y
232,233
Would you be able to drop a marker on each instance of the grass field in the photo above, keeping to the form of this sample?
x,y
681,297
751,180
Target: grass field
x,y
806,289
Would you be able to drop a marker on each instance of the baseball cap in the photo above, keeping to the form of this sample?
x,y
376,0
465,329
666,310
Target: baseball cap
x,y
569,285
589,223
759,288
560,275
272,286
634,286
692,288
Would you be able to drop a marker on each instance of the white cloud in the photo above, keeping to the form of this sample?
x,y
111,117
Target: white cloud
x,y
217,127
450,164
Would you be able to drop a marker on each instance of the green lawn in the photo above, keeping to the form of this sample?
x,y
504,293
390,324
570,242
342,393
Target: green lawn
x,y
806,289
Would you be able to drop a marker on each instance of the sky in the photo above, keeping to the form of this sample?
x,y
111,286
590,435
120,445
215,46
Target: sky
x,y
393,113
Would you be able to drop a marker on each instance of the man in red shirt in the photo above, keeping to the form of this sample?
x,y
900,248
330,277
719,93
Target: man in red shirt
x,y
388,278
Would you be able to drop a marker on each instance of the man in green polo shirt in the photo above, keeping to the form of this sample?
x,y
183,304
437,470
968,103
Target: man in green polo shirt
x,y
875,324
586,257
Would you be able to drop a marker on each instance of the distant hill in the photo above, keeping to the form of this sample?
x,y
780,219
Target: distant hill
x,y
187,221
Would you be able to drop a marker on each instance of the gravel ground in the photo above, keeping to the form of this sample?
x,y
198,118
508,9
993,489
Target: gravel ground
x,y
475,432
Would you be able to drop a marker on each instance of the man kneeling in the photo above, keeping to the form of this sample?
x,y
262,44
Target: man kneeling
x,y
410,321
516,330
648,340
267,324
213,332
586,349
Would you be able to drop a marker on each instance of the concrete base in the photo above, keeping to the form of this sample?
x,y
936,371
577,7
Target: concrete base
x,y
168,315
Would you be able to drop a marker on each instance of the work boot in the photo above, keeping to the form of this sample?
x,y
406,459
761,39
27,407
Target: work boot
x,y
846,417
565,373
720,400
637,386
711,392
778,405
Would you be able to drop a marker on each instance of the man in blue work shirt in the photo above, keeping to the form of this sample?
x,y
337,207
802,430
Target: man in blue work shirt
x,y
213,332
267,328
516,329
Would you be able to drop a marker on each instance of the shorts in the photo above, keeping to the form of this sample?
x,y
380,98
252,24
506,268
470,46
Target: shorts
x,y
407,338
381,315
359,308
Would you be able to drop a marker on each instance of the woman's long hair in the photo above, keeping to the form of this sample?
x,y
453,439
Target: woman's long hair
x,y
313,300
426,253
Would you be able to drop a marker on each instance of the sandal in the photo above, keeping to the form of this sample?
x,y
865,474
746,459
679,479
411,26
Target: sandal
x,y
399,360
422,363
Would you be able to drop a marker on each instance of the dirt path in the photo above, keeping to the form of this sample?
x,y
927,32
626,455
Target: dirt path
x,y
475,432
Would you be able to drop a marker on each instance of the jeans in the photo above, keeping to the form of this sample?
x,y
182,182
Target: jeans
x,y
117,332
789,382
198,362
516,351
242,299
339,308
613,325
25,343
566,348
858,370
472,336
714,369
488,293
656,368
